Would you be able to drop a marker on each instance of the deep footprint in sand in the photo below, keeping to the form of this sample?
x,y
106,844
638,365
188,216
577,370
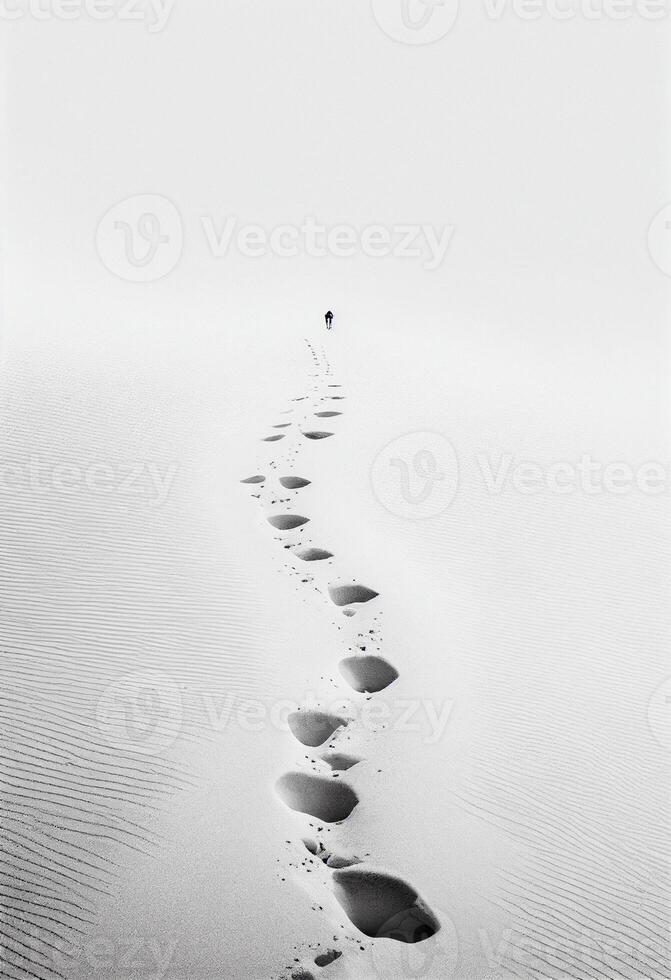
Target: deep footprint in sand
x,y
294,482
345,595
273,438
330,956
383,906
340,761
328,858
287,522
254,479
314,727
312,554
326,799
327,415
317,435
368,674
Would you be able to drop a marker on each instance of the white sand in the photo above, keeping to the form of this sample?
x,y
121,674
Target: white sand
x,y
153,633
532,824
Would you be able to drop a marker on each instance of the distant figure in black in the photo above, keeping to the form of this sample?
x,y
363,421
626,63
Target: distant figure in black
x,y
329,319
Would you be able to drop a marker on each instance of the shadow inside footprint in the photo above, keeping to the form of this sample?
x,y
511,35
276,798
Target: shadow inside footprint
x,y
342,861
273,438
317,435
383,906
287,522
327,415
326,799
294,482
314,727
325,959
254,479
368,674
344,595
312,554
340,761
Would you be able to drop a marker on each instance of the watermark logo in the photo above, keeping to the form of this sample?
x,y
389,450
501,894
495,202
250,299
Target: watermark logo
x,y
569,10
416,476
145,480
312,238
659,240
586,475
659,714
415,21
416,951
141,238
425,719
154,14
141,712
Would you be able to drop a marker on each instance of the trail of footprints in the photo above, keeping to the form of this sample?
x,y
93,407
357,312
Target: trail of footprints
x,y
378,904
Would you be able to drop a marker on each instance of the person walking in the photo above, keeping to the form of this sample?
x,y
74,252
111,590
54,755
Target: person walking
x,y
329,319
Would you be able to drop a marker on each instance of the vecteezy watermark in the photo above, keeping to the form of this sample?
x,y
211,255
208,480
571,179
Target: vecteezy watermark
x,y
140,712
415,21
516,952
659,240
568,10
128,956
316,240
584,475
141,238
416,476
412,956
423,718
154,14
144,479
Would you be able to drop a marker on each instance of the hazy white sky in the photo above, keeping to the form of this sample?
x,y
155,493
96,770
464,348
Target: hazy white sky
x,y
542,143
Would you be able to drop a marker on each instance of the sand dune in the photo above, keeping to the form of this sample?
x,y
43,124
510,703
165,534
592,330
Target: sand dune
x,y
526,837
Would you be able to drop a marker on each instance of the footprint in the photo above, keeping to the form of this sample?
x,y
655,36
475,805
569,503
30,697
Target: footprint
x,y
287,522
326,857
325,959
254,479
337,861
317,435
314,727
312,554
326,799
368,674
284,425
343,595
302,974
327,415
294,482
273,438
383,906
340,761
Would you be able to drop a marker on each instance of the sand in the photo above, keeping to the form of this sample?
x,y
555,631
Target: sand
x,y
493,780
156,793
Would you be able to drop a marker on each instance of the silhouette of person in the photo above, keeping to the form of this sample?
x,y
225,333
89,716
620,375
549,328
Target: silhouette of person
x,y
329,319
